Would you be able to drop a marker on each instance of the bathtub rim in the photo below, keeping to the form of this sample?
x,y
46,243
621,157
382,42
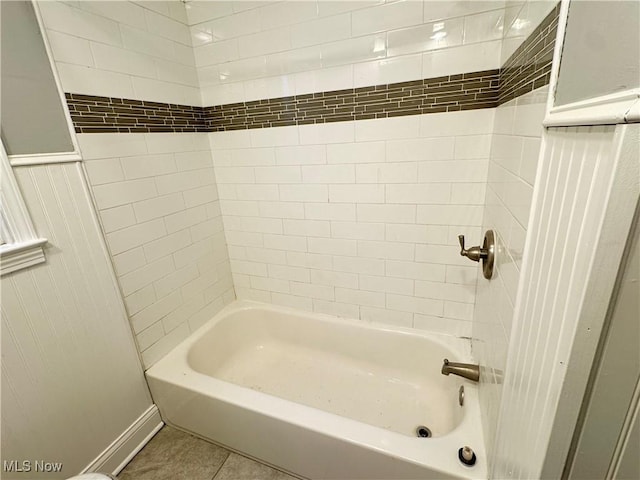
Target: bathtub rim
x,y
174,369
459,345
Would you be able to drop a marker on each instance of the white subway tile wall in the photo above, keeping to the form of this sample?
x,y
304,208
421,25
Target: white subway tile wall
x,y
252,50
356,220
513,162
138,50
514,158
158,204
520,19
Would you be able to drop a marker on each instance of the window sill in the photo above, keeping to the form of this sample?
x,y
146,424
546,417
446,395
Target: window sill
x,y
16,256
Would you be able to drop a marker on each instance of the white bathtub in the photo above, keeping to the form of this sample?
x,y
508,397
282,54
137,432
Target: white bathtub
x,y
322,397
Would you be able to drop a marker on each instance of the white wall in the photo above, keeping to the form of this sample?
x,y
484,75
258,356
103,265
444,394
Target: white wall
x,y
358,219
71,377
254,50
158,204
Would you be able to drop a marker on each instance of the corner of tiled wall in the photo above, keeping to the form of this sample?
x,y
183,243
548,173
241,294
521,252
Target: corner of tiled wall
x,y
514,158
158,204
515,147
155,193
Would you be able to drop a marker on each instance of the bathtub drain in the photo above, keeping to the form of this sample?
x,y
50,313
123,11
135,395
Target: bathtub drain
x,y
423,432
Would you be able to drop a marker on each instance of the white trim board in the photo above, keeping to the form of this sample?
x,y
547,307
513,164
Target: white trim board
x,y
622,107
22,255
44,158
116,456
21,246
557,53
616,108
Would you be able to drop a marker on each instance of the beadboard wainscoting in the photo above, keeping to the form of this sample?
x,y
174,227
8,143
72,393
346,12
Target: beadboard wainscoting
x,y
591,174
66,344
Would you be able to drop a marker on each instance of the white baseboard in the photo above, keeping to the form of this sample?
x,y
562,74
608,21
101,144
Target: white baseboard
x,y
116,456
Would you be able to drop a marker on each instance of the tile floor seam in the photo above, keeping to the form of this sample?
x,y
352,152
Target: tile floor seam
x,y
175,454
229,452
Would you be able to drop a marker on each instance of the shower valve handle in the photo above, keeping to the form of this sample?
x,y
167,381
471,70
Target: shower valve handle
x,y
473,253
486,252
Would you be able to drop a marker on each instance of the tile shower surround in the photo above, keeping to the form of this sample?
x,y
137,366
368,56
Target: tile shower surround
x,y
527,69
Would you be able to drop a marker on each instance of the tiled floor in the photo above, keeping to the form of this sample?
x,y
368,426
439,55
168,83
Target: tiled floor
x,y
176,455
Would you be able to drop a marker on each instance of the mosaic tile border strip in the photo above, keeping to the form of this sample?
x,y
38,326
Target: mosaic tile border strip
x,y
432,95
529,67
92,114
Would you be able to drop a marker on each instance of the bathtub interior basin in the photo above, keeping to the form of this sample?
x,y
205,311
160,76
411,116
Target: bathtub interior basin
x,y
383,377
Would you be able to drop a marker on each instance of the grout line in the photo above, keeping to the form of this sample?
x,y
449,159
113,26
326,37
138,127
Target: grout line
x,y
229,452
